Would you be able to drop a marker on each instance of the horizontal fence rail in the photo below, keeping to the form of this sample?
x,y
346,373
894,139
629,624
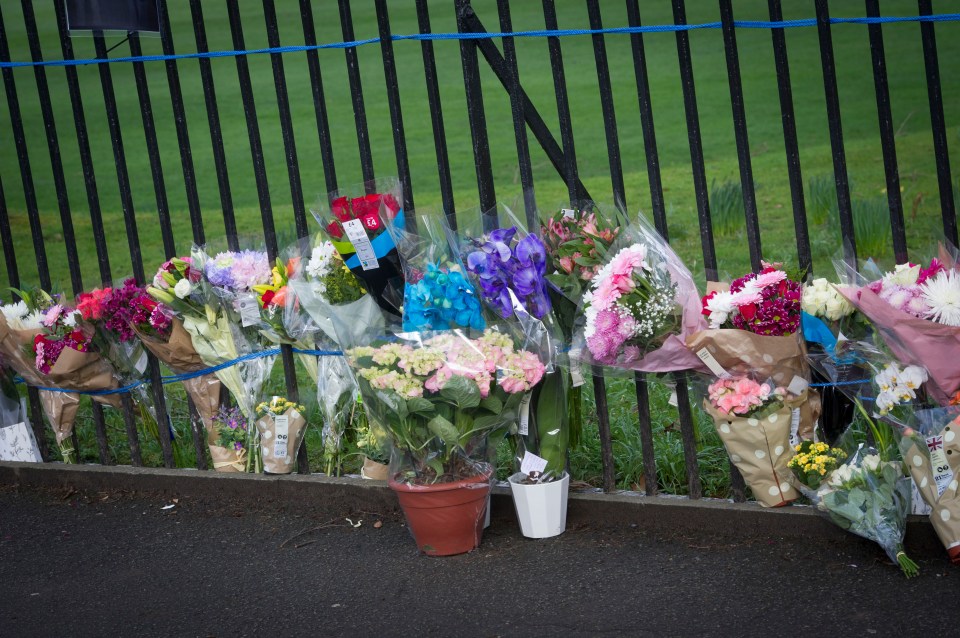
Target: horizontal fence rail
x,y
492,65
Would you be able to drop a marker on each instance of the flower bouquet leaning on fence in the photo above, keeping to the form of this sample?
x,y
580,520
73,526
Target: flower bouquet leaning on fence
x,y
229,440
754,329
641,305
281,426
753,420
576,240
508,268
119,316
439,396
49,345
354,222
916,310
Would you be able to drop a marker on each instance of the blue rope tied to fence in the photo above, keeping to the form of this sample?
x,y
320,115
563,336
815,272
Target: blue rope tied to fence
x,y
174,378
656,28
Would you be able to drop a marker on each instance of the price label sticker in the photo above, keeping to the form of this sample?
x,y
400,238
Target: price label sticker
x,y
795,427
711,362
282,427
532,463
525,415
942,472
249,311
569,213
361,243
576,375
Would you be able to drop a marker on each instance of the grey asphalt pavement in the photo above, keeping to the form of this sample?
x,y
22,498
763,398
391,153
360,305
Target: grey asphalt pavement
x,y
115,564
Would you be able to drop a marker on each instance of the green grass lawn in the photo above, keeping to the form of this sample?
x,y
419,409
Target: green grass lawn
x,y
910,119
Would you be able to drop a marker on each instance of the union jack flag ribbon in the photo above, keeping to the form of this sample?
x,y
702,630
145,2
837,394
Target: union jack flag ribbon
x,y
935,443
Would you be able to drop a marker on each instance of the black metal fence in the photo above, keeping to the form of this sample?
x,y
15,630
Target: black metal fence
x,y
475,54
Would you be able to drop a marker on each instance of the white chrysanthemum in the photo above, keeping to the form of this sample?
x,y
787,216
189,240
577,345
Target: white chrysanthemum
x,y
720,307
321,260
14,311
70,319
942,294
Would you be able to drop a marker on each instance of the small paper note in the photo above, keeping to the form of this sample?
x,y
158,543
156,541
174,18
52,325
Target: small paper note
x,y
282,425
532,463
576,375
525,415
361,243
795,427
797,385
568,213
711,362
249,311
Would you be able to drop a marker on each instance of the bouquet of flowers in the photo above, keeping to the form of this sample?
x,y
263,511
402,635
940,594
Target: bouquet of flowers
x,y
176,286
870,497
916,311
754,328
641,305
229,440
48,345
275,313
281,425
436,292
813,461
576,241
753,421
508,268
356,227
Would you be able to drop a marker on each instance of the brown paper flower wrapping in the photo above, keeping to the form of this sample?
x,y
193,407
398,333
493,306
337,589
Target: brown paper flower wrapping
x,y
760,448
297,425
92,373
741,352
373,470
227,460
180,356
945,516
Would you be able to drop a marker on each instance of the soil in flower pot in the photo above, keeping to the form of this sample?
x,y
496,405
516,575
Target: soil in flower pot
x,y
445,518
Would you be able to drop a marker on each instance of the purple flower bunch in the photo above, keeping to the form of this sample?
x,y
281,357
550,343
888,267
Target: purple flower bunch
x,y
239,271
231,428
501,265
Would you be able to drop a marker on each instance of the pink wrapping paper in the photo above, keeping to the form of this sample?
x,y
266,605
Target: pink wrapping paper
x,y
915,341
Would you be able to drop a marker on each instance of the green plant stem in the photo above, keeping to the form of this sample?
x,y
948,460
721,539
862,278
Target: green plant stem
x,y
910,568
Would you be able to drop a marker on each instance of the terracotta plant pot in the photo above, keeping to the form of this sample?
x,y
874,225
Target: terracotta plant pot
x,y
445,518
373,470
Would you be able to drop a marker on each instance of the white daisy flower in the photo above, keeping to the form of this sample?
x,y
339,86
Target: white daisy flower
x,y
942,294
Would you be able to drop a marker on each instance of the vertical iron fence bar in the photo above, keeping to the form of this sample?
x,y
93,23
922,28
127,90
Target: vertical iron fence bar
x,y
6,235
36,422
180,120
644,422
23,157
286,122
436,116
887,142
83,142
133,242
688,435
740,133
356,95
190,184
477,116
804,258
216,134
646,121
153,147
570,172
607,108
319,100
296,192
53,146
836,133
130,425
696,145
938,124
571,177
519,124
393,103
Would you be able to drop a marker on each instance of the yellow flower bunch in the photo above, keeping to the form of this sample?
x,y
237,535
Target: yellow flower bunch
x,y
813,461
278,405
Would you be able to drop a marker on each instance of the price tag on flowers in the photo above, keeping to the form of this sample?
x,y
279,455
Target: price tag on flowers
x,y
282,426
942,472
358,237
249,312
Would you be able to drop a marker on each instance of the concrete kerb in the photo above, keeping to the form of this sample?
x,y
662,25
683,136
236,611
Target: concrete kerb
x,y
661,514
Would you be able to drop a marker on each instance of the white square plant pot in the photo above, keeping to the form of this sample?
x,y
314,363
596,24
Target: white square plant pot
x,y
541,508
